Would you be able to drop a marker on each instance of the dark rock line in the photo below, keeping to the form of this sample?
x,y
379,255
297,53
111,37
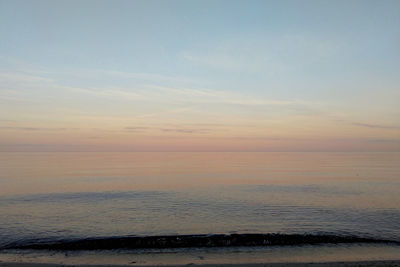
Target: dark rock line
x,y
187,241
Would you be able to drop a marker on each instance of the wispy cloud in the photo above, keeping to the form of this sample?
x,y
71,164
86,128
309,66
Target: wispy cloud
x,y
222,96
136,129
35,128
11,77
153,99
185,130
158,93
135,75
375,126
394,141
271,54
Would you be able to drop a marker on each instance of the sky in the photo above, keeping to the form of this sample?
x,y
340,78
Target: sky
x,y
199,75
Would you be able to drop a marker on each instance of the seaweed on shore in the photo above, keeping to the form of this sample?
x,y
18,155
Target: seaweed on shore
x,y
187,241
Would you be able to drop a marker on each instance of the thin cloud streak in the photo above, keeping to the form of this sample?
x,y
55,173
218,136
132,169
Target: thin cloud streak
x,y
149,92
188,131
36,128
135,129
394,141
173,130
375,126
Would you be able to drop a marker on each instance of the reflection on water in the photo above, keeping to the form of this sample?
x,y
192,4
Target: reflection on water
x,y
75,195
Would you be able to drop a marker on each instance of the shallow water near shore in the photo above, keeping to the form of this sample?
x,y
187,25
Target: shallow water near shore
x,y
51,197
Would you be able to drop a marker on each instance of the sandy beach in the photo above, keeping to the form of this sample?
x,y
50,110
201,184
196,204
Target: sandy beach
x,y
319,264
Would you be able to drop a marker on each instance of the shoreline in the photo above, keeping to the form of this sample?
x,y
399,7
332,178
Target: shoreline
x,y
280,264
305,255
197,241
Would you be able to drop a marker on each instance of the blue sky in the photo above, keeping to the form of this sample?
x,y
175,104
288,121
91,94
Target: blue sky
x,y
324,71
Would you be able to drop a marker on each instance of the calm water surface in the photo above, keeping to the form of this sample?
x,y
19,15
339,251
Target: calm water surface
x,y
51,196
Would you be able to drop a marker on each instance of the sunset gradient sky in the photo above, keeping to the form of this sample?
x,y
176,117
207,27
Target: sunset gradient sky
x,y
199,75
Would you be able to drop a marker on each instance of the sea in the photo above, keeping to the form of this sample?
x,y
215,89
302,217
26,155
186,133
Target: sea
x,y
152,208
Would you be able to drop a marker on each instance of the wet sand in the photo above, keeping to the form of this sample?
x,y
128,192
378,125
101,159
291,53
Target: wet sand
x,y
305,255
319,264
